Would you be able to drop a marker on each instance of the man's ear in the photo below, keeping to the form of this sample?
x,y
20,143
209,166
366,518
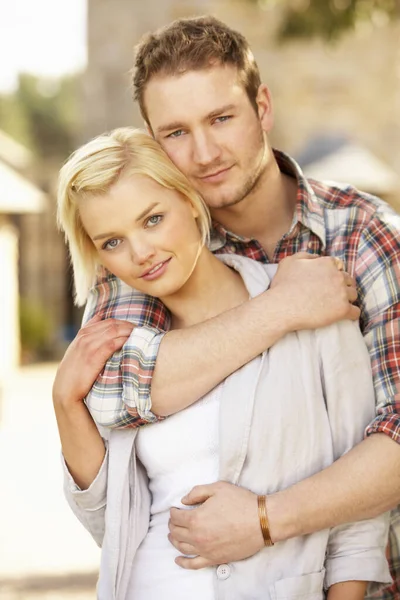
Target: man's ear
x,y
265,109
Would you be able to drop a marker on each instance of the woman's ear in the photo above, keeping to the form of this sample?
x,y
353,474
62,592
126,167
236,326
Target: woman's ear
x,y
194,210
265,109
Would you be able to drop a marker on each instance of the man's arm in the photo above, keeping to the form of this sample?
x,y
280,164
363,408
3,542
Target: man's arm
x,y
182,366
364,482
306,293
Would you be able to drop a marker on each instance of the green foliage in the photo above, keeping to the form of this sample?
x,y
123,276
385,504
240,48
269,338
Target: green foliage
x,y
35,328
41,115
328,19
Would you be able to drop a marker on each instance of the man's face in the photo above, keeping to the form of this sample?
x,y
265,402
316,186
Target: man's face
x,y
205,122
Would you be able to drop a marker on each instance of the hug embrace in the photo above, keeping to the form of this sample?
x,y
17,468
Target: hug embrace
x,y
228,416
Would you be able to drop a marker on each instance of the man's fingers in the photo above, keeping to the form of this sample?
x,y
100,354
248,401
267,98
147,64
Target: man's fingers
x,y
193,563
354,313
180,517
178,534
307,255
339,264
198,494
183,547
352,294
349,280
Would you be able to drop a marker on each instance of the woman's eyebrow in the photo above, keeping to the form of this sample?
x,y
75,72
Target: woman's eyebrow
x,y
145,212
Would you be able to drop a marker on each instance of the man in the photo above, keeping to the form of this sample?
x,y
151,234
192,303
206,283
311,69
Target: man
x,y
202,99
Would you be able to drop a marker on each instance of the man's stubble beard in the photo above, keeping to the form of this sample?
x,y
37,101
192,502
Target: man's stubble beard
x,y
250,185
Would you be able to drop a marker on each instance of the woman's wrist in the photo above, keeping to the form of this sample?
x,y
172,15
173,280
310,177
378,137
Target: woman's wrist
x,y
347,590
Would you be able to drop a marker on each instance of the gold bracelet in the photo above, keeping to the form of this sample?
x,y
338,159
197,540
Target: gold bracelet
x,y
262,513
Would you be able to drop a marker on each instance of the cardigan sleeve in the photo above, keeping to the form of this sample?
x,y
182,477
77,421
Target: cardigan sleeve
x,y
89,505
356,551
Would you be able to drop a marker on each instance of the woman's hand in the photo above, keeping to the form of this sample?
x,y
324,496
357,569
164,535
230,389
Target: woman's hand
x,y
347,590
86,357
82,445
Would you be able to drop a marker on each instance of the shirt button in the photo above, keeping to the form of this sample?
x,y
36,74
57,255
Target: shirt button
x,y
310,245
223,572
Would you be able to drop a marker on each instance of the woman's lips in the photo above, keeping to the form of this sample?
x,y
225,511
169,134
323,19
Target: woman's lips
x,y
156,271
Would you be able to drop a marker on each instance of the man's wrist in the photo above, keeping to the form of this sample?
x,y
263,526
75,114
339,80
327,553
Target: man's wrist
x,y
281,518
278,314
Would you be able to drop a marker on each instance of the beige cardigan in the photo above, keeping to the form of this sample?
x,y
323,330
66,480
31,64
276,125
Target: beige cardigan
x,y
284,416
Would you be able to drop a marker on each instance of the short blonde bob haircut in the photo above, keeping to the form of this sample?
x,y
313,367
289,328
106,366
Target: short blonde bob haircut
x,y
92,170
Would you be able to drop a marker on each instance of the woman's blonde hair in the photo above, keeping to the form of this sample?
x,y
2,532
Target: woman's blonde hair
x,y
92,170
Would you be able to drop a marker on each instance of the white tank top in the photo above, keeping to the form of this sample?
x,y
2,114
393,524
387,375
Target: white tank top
x,y
178,454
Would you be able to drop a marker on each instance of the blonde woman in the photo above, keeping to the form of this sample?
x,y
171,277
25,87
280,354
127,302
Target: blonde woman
x,y
288,413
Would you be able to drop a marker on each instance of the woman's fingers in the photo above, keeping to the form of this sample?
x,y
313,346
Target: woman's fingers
x,y
86,356
96,324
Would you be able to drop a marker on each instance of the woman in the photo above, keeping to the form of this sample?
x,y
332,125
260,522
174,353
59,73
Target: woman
x,y
124,205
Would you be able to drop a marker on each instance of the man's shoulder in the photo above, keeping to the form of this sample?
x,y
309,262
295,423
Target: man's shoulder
x,y
346,207
335,195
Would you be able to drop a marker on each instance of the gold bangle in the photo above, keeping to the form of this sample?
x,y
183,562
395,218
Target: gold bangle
x,y
262,513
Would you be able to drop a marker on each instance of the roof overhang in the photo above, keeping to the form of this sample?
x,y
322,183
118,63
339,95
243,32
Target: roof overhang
x,y
17,194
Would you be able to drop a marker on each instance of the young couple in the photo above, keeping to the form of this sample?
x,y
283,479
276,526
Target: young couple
x,y
266,388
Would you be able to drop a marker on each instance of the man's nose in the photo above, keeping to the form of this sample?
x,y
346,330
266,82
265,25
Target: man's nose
x,y
206,150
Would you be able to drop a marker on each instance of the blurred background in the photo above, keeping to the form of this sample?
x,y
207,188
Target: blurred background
x,y
334,70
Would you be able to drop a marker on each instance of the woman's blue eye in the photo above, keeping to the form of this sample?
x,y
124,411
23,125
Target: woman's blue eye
x,y
153,220
111,244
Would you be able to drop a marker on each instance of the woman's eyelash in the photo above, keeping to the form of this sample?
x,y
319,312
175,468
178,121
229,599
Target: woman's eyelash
x,y
157,218
107,246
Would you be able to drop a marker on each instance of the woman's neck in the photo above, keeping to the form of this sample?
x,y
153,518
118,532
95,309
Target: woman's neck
x,y
212,289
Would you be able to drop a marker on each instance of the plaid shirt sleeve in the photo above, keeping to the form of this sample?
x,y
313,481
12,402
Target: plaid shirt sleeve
x,y
120,396
378,277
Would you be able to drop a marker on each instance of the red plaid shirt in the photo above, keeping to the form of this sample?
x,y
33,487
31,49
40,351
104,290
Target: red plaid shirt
x,y
335,220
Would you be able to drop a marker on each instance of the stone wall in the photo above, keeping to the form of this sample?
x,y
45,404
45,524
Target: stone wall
x,y
352,87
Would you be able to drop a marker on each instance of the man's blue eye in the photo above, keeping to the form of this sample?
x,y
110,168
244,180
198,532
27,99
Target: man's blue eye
x,y
177,133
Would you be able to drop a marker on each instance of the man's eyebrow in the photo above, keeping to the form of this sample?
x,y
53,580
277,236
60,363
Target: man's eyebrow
x,y
220,111
179,125
169,127
144,213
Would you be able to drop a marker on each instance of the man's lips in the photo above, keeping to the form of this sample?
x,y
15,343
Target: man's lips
x,y
155,270
216,175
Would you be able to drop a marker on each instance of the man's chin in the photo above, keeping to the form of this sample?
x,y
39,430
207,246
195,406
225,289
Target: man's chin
x,y
222,202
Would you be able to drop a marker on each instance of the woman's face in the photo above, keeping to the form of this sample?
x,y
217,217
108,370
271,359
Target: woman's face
x,y
144,233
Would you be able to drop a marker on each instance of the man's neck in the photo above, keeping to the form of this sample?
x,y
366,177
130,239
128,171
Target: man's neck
x,y
266,213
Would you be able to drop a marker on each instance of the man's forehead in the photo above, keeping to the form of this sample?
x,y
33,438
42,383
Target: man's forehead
x,y
173,99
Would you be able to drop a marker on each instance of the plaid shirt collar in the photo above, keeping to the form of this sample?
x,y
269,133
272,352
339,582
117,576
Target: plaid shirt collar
x,y
308,212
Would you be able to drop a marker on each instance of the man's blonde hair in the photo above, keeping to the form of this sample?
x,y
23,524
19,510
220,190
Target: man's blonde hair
x,y
92,170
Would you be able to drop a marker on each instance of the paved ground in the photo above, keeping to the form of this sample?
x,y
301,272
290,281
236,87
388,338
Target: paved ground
x,y
44,552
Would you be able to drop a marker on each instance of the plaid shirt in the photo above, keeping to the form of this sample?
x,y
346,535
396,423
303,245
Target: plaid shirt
x,y
330,219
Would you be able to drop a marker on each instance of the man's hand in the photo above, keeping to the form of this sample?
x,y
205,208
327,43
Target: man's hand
x,y
224,528
316,290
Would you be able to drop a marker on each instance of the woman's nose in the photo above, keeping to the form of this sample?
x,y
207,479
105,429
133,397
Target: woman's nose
x,y
141,251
